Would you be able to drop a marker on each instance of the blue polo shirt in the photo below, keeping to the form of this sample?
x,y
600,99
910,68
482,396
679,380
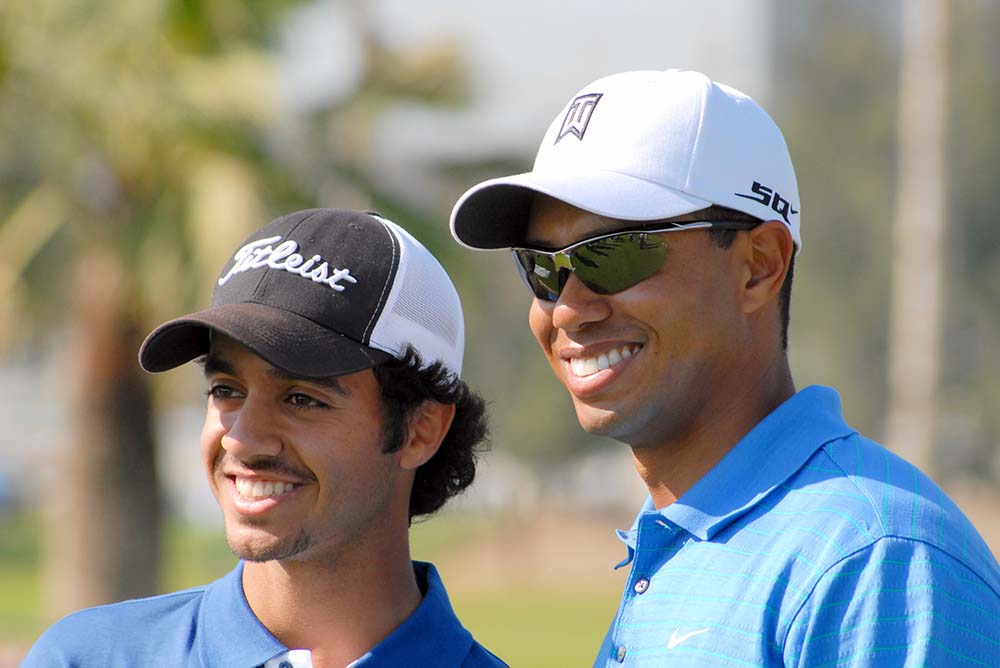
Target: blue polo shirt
x,y
807,545
213,627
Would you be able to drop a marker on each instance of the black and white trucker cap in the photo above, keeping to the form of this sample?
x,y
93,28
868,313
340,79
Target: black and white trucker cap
x,y
320,293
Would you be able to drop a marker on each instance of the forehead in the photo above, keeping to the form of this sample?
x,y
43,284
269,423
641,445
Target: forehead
x,y
228,356
554,223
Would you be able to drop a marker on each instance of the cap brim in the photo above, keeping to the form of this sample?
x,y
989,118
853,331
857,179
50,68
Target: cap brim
x,y
285,340
494,214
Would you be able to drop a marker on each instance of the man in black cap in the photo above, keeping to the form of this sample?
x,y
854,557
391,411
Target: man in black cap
x,y
332,352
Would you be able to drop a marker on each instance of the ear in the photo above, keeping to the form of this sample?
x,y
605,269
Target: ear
x,y
768,253
428,426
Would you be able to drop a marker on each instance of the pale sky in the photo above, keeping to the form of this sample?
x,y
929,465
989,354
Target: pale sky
x,y
526,58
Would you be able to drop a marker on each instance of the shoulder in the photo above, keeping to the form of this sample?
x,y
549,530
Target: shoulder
x,y
853,503
910,571
135,628
433,634
480,657
898,597
894,499
902,573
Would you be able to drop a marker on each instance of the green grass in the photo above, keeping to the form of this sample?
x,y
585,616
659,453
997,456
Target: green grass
x,y
435,537
532,628
20,614
193,556
20,609
526,625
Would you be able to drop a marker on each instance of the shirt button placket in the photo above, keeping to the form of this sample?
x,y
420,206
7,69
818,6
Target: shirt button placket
x,y
620,654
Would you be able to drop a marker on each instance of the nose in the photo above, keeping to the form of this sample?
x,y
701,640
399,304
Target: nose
x,y
578,306
251,432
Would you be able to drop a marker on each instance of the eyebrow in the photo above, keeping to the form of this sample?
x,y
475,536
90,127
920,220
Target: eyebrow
x,y
214,364
546,244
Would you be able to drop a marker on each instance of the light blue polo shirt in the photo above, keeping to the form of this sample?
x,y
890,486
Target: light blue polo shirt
x,y
213,627
807,545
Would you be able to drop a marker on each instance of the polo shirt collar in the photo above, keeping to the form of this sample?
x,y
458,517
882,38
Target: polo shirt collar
x,y
431,636
230,635
777,447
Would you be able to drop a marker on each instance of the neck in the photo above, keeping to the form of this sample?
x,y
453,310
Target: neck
x,y
670,468
338,609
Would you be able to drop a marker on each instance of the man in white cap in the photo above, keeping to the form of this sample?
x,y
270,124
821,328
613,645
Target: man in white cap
x,y
332,352
657,233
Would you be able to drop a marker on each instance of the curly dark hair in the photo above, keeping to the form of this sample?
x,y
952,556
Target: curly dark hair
x,y
405,384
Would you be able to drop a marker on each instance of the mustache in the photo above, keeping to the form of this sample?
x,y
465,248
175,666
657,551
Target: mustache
x,y
265,465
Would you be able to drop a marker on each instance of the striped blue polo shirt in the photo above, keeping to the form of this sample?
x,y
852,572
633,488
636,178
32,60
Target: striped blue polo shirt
x,y
807,545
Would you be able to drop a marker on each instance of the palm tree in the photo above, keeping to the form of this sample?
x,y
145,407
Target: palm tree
x,y
134,146
915,318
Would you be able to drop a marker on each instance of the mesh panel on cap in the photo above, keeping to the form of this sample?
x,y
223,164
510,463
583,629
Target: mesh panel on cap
x,y
422,306
422,309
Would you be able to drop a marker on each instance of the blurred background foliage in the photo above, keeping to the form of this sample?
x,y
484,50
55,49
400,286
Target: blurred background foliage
x,y
140,141
838,75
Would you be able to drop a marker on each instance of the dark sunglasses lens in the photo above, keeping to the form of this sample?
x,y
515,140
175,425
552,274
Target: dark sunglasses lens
x,y
540,273
616,263
606,266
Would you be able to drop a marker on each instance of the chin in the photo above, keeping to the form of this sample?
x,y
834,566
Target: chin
x,y
625,427
597,421
270,548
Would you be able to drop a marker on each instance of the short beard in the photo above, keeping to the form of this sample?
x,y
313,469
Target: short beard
x,y
276,552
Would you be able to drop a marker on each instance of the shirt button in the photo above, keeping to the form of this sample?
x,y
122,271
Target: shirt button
x,y
620,656
641,585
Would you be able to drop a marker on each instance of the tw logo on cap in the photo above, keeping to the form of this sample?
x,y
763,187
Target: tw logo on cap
x,y
578,116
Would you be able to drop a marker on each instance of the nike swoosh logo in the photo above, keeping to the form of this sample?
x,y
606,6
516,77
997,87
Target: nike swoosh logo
x,y
676,640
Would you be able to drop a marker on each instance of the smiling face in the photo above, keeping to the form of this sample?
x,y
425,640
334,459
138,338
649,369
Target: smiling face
x,y
658,361
297,465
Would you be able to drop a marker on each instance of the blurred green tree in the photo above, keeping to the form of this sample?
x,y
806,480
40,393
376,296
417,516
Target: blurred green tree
x,y
136,142
130,136
970,373
837,77
836,71
919,246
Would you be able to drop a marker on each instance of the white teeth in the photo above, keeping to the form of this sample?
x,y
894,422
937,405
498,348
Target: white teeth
x,y
261,489
588,366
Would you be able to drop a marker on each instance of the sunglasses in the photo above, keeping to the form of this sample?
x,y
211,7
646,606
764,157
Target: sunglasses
x,y
606,264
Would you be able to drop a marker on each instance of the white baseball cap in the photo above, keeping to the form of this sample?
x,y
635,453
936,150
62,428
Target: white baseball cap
x,y
644,146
